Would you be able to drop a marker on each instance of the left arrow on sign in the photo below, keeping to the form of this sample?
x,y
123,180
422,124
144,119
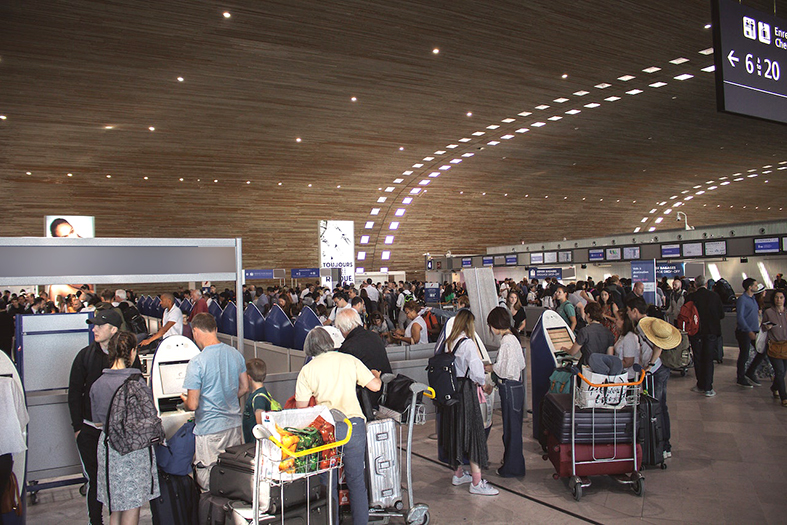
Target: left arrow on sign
x,y
732,58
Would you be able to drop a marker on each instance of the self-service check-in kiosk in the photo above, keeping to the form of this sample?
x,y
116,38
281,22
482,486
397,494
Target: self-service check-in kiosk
x,y
550,334
166,380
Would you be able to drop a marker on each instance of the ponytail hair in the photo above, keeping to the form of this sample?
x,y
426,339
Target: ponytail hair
x,y
120,347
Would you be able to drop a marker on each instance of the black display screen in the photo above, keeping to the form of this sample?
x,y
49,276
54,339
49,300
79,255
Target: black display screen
x,y
750,54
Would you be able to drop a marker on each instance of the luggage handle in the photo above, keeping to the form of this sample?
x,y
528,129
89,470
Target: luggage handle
x,y
261,432
381,465
430,393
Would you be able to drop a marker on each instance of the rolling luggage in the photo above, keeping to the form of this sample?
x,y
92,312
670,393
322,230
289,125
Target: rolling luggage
x,y
232,478
560,456
649,432
213,509
241,514
178,502
385,486
605,426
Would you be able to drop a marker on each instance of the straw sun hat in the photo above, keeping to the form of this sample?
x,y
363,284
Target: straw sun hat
x,y
660,333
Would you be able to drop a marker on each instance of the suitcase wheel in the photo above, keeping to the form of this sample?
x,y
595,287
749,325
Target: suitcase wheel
x,y
545,457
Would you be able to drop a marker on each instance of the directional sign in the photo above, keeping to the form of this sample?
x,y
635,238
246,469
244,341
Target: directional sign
x,y
750,50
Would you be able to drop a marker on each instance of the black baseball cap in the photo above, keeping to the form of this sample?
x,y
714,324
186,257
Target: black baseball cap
x,y
106,316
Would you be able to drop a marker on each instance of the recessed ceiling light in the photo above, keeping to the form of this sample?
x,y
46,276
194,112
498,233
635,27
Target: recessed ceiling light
x,y
109,127
180,79
386,254
636,230
389,189
707,51
484,193
626,78
398,181
408,172
684,76
427,159
424,182
227,14
399,212
381,200
461,193
658,84
280,184
364,239
581,93
369,225
652,229
445,167
394,225
492,126
521,130
505,195
506,137
181,179
710,69
573,111
644,219
679,61
555,118
69,175
353,99
435,51
415,191
151,128
542,107
217,180
634,92
560,100
361,256
418,165
457,161
603,85
524,114
564,76
707,26
310,185
468,154
508,120
434,174
659,219
465,139
401,148
407,200
538,124
478,133
375,211
298,139
469,113
3,117
145,178
109,176
612,99
493,143
592,105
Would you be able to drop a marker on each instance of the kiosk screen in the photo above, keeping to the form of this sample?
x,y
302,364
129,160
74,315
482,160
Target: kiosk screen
x,y
560,337
172,376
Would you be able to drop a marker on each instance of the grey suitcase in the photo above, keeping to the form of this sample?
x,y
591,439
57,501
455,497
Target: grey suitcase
x,y
385,485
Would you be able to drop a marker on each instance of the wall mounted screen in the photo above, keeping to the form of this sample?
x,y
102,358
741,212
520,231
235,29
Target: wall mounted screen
x,y
536,258
766,245
550,257
670,251
631,253
715,248
692,249
565,257
613,254
596,254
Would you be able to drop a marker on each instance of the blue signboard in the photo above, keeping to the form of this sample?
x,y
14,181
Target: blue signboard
x,y
511,260
432,293
467,262
769,245
545,273
645,272
259,274
670,250
488,261
596,255
669,270
304,273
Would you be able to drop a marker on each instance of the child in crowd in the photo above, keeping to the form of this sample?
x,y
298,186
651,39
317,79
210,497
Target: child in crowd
x,y
379,326
259,399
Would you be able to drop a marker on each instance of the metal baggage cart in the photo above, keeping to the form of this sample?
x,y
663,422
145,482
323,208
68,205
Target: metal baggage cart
x,y
278,482
630,391
416,513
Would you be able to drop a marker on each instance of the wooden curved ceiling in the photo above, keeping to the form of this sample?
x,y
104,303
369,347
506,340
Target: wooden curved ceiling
x,y
277,71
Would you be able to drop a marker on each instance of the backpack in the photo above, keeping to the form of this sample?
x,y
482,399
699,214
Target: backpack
x,y
177,455
275,405
132,423
134,320
432,326
441,373
678,357
560,381
688,318
725,291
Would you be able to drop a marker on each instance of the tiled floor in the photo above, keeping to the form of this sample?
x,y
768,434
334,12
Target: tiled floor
x,y
729,465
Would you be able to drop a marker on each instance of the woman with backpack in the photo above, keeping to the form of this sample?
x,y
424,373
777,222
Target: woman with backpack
x,y
461,424
125,481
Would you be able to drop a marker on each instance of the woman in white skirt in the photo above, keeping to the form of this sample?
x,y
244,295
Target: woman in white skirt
x,y
133,478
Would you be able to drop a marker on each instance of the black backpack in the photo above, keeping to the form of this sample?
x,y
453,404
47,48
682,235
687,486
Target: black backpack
x,y
134,320
725,291
132,423
441,372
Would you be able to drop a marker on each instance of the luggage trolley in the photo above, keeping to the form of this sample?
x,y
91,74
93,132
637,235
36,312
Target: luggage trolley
x,y
417,513
279,480
615,457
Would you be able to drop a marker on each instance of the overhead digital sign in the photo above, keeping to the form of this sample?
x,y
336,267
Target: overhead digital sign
x,y
613,254
767,245
536,258
564,257
467,262
715,248
692,249
750,48
596,254
550,257
631,252
511,260
670,250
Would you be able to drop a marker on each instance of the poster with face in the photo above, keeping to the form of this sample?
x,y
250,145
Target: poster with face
x,y
337,248
74,226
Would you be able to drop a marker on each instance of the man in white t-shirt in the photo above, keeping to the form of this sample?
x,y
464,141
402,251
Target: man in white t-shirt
x,y
340,299
373,293
171,321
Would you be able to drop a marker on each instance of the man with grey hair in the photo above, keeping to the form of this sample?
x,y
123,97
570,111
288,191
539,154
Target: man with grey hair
x,y
331,377
361,343
703,343
171,321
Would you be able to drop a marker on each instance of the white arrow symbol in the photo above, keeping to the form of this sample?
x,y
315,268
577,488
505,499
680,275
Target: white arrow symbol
x,y
732,58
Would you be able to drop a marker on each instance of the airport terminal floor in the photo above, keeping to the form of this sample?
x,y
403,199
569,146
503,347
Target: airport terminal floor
x,y
729,465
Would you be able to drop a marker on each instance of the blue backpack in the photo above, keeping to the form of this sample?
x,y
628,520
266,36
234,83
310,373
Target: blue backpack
x,y
177,456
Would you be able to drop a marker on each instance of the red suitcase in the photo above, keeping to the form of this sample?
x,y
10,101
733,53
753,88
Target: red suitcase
x,y
560,456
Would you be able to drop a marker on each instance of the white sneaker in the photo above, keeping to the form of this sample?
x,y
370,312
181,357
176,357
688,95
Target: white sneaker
x,y
710,393
667,454
483,489
466,478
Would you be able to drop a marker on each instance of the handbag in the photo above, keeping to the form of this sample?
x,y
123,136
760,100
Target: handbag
x,y
777,349
762,342
11,503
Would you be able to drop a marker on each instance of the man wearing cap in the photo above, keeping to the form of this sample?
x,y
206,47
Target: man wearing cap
x,y
88,366
746,333
654,335
779,283
704,342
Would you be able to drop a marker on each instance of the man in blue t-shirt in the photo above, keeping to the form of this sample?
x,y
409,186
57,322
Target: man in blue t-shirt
x,y
215,380
746,334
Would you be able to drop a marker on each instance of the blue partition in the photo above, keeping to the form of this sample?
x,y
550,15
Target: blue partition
x,y
303,325
144,305
543,360
278,328
253,323
140,304
215,310
156,310
186,306
228,324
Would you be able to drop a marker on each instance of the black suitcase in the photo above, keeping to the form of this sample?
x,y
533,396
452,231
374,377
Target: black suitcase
x,y
213,509
232,477
599,425
178,503
297,515
649,432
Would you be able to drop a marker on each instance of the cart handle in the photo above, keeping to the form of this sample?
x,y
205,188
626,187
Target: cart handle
x,y
608,385
429,392
327,446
